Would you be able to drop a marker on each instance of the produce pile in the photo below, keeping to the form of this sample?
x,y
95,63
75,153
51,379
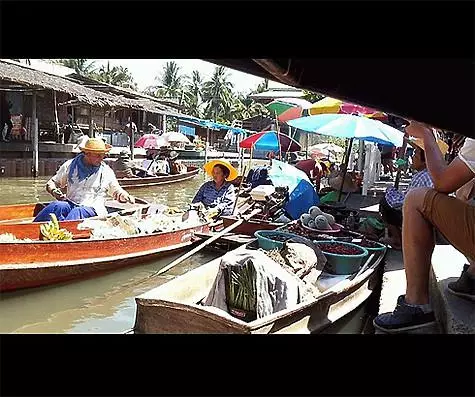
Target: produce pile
x,y
318,220
164,220
340,249
11,238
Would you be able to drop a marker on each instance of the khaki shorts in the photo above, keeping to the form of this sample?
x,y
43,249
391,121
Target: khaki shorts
x,y
454,218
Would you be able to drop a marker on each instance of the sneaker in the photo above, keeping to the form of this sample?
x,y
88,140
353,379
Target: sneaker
x,y
404,318
464,287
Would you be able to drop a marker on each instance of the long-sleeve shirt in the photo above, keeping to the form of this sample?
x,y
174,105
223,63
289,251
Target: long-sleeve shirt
x,y
222,199
395,198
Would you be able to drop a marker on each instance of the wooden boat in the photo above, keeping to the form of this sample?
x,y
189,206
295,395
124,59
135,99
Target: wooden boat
x,y
17,219
149,181
175,307
33,264
249,227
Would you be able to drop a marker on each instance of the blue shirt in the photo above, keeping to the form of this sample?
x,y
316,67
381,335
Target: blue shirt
x,y
395,198
222,199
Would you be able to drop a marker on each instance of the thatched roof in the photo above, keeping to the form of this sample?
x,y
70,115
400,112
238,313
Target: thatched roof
x,y
26,76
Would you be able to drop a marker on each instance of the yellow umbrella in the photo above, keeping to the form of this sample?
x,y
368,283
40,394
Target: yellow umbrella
x,y
335,106
326,105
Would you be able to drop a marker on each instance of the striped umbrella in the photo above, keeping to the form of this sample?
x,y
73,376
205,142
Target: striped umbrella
x,y
336,106
288,108
271,141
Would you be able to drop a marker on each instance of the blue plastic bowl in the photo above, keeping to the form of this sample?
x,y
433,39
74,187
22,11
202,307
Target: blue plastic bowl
x,y
344,264
266,242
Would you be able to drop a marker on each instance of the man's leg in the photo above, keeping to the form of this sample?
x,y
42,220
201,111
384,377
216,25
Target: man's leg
x,y
80,212
418,245
423,209
60,208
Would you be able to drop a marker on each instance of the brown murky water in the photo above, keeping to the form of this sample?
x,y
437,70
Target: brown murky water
x,y
104,304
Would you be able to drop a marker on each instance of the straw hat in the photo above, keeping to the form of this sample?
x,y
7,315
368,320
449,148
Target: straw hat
x,y
418,142
233,172
95,145
173,155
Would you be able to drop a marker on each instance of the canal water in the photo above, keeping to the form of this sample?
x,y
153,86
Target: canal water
x,y
105,304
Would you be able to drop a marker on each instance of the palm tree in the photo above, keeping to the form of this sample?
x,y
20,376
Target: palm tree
x,y
81,66
192,94
262,87
170,81
117,75
217,94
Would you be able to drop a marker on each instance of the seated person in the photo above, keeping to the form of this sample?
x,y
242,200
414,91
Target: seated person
x,y
124,167
88,181
390,206
425,209
218,193
176,167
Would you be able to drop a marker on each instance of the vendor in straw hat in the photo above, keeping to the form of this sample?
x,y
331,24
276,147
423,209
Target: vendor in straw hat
x,y
88,181
390,206
218,193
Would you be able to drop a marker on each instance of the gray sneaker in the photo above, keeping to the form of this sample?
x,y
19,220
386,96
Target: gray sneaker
x,y
464,287
403,319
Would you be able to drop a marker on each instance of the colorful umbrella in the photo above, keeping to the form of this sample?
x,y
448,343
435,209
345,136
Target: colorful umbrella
x,y
288,108
151,141
270,141
349,126
331,105
302,194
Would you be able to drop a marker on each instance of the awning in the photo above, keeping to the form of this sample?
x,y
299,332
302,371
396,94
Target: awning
x,y
186,130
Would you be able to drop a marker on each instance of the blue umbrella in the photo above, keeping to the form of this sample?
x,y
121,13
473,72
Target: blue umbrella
x,y
302,193
349,126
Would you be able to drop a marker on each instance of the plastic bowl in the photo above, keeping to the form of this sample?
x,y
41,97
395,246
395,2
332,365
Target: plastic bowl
x,y
379,247
343,264
266,242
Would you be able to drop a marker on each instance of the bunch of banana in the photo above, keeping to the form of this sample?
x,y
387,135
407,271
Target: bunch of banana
x,y
52,232
173,211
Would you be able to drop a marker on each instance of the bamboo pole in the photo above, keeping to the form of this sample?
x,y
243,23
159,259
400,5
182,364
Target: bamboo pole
x,y
206,145
132,139
91,124
35,135
55,105
345,168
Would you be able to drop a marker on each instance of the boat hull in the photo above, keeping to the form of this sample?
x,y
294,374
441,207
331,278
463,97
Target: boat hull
x,y
249,227
135,183
17,219
174,307
26,265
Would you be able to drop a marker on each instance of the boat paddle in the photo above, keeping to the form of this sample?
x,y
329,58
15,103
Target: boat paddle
x,y
207,242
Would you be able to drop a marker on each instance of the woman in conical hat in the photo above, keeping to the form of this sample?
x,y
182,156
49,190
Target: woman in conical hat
x,y
218,193
87,181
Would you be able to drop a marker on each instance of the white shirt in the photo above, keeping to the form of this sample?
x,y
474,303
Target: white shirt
x,y
467,153
92,191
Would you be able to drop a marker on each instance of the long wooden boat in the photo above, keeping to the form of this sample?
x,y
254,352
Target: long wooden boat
x,y
176,307
17,219
33,264
133,183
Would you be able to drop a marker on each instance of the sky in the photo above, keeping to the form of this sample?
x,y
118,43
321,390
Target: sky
x,y
144,71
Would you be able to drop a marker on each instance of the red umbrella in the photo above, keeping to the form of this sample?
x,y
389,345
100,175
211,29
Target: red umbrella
x,y
151,141
271,141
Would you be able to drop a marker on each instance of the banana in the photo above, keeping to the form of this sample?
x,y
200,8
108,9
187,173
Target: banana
x,y
52,232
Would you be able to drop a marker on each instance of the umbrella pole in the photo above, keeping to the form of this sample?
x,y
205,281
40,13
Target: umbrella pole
x,y
346,167
278,138
250,157
402,154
